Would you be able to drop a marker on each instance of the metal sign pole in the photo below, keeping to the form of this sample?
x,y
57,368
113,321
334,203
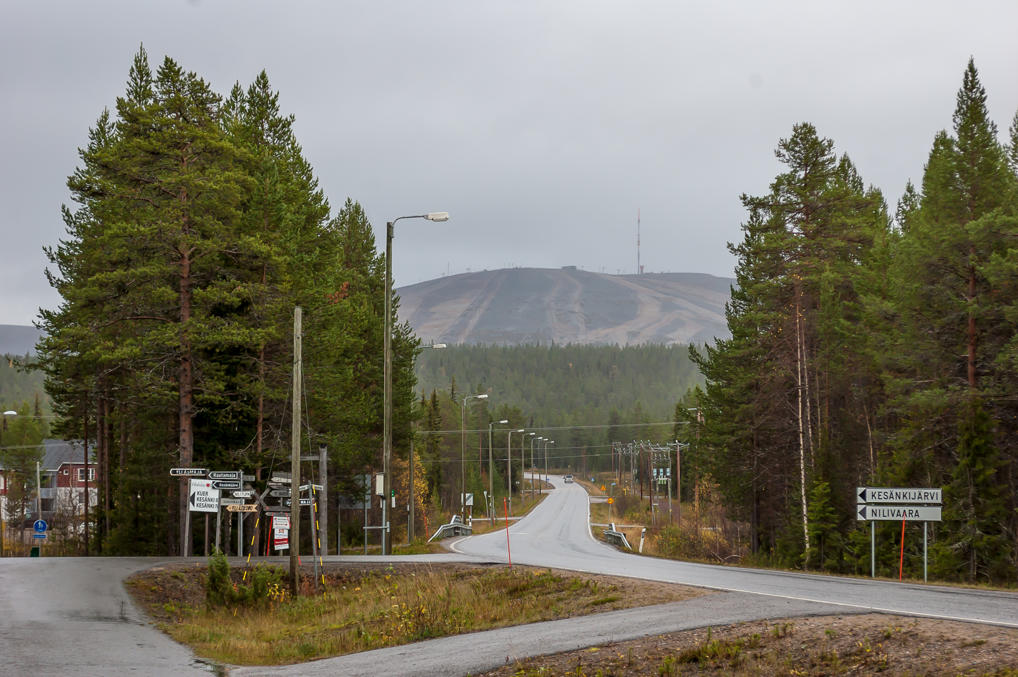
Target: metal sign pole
x,y
187,524
924,552
873,549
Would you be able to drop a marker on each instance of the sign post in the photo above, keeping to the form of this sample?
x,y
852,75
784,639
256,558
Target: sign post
x,y
914,505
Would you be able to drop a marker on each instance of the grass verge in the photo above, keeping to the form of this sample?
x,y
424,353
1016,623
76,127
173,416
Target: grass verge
x,y
366,607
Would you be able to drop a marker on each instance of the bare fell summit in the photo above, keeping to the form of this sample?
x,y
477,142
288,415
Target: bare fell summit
x,y
542,306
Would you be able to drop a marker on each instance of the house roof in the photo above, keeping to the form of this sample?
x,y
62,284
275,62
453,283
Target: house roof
x,y
58,452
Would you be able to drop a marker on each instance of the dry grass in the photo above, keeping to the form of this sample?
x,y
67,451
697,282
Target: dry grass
x,y
364,609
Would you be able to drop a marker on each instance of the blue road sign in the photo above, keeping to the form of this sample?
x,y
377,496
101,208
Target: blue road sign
x,y
40,526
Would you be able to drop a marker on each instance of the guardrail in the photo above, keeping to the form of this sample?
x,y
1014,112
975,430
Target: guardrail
x,y
616,537
453,528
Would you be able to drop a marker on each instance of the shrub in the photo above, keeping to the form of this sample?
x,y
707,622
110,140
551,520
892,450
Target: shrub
x,y
220,589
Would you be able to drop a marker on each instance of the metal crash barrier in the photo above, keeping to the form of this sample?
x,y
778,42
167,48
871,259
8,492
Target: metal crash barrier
x,y
616,537
454,528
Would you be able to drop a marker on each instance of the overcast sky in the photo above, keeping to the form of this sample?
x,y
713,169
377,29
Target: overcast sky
x,y
541,126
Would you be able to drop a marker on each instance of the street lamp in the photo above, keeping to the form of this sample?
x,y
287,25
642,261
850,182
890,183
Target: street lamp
x,y
509,462
546,443
387,374
533,465
491,473
463,452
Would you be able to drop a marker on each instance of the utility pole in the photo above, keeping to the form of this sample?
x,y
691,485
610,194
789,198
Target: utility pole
x,y
295,455
323,517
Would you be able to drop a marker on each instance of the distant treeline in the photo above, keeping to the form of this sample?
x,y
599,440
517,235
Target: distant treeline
x,y
566,385
19,384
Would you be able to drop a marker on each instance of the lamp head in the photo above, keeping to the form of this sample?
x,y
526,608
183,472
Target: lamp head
x,y
437,216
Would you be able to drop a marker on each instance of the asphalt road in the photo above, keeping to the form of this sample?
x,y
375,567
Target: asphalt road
x,y
558,536
72,615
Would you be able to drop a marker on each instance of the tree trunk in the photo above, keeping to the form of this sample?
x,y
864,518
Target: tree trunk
x,y
84,435
185,387
972,322
802,443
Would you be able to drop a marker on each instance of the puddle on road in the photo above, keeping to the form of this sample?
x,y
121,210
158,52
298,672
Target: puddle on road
x,y
209,667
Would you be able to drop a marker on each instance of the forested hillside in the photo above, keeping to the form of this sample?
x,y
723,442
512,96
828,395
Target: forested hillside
x,y
19,383
542,306
560,385
873,351
580,399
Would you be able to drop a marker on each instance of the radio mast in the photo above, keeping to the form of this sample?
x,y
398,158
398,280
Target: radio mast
x,y
639,268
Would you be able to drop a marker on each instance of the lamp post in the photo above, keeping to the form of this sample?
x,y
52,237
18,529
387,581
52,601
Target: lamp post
x,y
546,443
523,465
533,466
387,374
463,452
491,474
509,462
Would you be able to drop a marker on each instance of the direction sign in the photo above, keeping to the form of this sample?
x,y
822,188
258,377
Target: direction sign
x,y
305,501
231,501
277,508
248,478
280,493
316,487
224,474
226,484
203,497
188,472
897,513
246,493
897,495
243,507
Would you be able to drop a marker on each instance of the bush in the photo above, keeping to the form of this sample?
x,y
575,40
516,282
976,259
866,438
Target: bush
x,y
220,589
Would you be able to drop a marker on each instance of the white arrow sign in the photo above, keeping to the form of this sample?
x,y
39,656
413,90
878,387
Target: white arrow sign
x,y
202,497
897,513
897,495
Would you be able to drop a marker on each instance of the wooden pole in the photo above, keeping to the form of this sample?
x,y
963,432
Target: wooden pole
x,y
295,456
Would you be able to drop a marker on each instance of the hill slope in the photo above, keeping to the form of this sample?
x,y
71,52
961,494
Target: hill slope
x,y
542,306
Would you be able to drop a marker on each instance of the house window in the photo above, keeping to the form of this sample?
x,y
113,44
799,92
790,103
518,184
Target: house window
x,y
81,474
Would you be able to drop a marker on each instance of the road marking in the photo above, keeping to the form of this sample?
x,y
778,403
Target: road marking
x,y
899,612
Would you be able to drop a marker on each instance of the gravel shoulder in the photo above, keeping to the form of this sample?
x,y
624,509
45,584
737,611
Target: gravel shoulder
x,y
821,645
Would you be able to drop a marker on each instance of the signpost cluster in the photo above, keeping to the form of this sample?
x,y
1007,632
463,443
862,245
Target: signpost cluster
x,y
210,491
893,504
